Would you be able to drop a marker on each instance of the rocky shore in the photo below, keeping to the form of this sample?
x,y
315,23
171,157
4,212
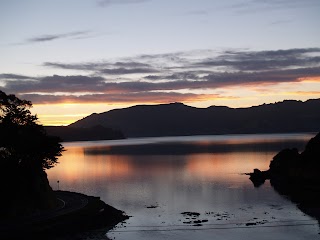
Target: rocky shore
x,y
295,175
75,214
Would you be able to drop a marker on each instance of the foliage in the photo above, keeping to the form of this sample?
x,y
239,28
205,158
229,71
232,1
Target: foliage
x,y
24,143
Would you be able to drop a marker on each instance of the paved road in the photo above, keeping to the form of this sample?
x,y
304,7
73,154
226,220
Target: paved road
x,y
70,202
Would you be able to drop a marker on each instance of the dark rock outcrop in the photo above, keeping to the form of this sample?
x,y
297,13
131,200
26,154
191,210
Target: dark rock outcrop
x,y
258,177
291,166
297,176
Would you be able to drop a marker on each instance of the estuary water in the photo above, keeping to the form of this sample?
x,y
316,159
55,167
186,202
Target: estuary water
x,y
187,187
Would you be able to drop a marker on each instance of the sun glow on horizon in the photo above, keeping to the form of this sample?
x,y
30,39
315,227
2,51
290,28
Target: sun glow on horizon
x,y
63,114
67,112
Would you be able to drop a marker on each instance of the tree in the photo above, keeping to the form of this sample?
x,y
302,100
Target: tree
x,y
23,142
26,151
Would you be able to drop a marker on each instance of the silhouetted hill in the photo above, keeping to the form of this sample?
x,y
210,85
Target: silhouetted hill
x,y
96,132
178,119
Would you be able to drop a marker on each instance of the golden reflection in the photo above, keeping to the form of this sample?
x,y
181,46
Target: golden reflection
x,y
75,164
222,166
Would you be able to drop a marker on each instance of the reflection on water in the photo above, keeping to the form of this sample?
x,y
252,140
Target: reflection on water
x,y
202,174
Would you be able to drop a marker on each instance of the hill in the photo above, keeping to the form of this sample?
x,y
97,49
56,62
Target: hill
x,y
96,132
177,119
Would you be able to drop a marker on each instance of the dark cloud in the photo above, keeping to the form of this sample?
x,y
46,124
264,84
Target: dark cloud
x,y
157,77
261,64
226,79
77,66
263,60
8,76
151,61
176,58
51,37
69,84
170,72
295,52
117,68
131,64
122,71
176,76
56,83
257,78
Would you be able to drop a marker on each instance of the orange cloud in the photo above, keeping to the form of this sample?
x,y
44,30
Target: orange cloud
x,y
310,79
304,93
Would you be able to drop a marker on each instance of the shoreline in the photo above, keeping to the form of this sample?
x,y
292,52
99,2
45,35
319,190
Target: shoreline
x,y
295,175
78,214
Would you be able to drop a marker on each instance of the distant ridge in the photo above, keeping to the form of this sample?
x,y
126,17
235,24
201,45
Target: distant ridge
x,y
177,119
97,132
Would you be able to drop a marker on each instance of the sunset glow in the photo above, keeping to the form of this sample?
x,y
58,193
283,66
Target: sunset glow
x,y
234,53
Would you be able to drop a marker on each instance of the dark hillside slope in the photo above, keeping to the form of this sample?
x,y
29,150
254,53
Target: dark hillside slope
x,y
178,119
97,132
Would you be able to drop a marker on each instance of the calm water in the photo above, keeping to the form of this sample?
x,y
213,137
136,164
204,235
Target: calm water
x,y
154,180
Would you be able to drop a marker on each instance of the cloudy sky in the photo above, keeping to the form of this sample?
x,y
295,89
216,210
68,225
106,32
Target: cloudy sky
x,y
75,57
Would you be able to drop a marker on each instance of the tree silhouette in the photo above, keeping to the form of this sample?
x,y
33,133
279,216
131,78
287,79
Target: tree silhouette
x,y
26,151
23,142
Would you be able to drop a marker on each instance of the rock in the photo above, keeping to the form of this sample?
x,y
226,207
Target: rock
x,y
312,150
285,162
296,176
292,167
190,214
258,177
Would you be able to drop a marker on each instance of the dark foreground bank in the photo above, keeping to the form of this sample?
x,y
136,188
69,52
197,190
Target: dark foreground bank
x,y
295,175
75,214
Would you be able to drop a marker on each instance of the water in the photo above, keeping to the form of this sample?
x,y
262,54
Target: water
x,y
155,180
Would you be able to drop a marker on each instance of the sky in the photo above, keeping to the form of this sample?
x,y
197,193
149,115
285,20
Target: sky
x,y
72,58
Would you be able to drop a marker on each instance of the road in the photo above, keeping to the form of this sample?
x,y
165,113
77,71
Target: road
x,y
70,202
